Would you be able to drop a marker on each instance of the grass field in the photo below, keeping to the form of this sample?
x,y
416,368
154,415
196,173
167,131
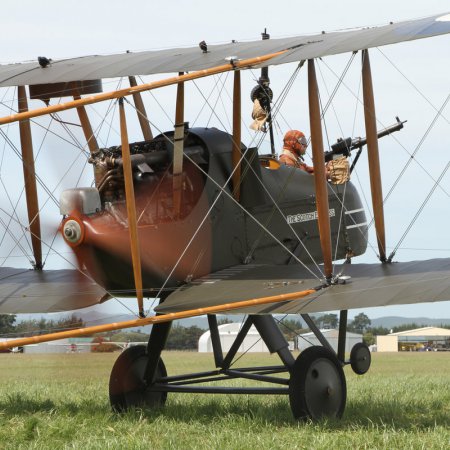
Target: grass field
x,y
61,401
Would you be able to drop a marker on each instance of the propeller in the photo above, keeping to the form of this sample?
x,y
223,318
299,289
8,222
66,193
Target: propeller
x,y
101,241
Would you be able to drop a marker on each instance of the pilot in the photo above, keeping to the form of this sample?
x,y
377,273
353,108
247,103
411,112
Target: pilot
x,y
294,147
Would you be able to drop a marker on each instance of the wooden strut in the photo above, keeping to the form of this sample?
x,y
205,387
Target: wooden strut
x,y
178,148
373,154
131,209
29,175
141,113
90,137
86,126
320,179
154,319
141,88
236,152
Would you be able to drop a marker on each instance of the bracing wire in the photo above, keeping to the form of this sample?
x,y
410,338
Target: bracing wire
x,y
416,216
391,135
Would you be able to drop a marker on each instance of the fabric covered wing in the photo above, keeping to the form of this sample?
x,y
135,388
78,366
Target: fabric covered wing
x,y
370,285
32,291
193,59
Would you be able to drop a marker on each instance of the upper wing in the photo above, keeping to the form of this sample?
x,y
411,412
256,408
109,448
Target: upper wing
x,y
25,291
193,59
370,285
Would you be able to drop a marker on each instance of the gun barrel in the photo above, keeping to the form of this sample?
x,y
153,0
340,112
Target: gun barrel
x,y
361,142
345,146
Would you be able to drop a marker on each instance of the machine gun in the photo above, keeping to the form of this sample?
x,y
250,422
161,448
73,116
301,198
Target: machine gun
x,y
343,147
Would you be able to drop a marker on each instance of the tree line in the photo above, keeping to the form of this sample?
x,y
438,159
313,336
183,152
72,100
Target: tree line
x,y
186,338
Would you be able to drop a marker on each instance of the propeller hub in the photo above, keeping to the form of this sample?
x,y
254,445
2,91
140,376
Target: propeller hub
x,y
72,232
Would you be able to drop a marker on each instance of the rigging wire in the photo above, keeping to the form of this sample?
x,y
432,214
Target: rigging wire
x,y
15,239
422,206
391,135
217,80
419,145
413,85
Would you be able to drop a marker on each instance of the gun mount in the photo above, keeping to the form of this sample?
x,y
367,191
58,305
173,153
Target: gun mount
x,y
343,147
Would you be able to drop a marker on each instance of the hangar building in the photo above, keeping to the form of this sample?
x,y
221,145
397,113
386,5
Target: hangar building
x,y
309,339
227,332
420,339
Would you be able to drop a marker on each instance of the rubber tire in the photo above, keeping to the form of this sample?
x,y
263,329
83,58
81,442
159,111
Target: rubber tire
x,y
127,388
360,358
317,387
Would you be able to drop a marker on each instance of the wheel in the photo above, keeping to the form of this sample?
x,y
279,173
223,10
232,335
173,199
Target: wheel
x,y
127,387
360,358
317,386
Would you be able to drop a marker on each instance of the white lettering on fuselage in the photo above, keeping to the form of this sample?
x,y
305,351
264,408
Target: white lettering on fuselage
x,y
306,217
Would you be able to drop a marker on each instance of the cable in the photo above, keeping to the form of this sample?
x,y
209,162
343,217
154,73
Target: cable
x,y
422,206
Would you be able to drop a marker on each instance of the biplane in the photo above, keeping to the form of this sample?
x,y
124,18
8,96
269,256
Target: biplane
x,y
206,225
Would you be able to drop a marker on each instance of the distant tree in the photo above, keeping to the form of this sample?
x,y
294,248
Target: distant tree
x,y
368,338
184,338
407,326
291,328
330,320
326,320
7,323
128,336
360,323
43,325
103,346
378,331
224,321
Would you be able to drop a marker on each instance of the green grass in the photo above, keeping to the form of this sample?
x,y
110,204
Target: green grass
x,y
61,401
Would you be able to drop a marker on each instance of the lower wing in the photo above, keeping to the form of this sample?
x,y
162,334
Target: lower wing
x,y
369,285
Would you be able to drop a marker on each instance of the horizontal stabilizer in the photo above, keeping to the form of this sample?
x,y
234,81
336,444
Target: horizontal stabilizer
x,y
25,291
370,285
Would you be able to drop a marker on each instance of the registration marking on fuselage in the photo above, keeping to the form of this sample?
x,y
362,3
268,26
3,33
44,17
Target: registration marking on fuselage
x,y
307,217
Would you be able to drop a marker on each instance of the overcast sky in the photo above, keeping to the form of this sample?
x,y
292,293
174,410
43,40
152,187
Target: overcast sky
x,y
72,28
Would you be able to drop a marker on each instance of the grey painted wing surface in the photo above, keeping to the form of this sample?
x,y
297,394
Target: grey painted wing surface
x,y
32,291
193,59
370,285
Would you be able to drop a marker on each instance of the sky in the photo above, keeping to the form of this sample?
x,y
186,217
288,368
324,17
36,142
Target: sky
x,y
404,75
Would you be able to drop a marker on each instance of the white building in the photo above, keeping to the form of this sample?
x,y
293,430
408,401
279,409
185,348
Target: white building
x,y
309,339
419,339
228,332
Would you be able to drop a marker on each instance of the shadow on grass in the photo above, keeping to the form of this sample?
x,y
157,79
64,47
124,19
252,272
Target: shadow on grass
x,y
410,415
19,404
406,416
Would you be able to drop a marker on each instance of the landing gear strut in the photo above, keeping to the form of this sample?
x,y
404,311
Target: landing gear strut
x,y
316,384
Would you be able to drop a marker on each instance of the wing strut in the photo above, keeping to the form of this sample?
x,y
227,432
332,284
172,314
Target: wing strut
x,y
131,209
320,179
29,176
89,135
236,153
373,154
141,113
169,317
178,147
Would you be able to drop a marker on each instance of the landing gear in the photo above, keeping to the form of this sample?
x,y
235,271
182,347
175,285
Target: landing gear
x,y
127,386
360,358
317,386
